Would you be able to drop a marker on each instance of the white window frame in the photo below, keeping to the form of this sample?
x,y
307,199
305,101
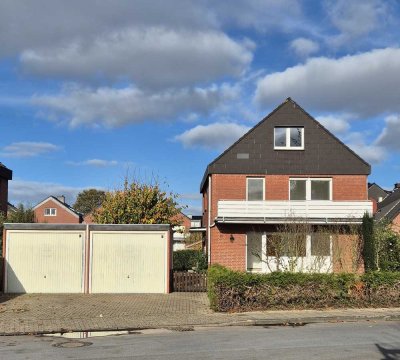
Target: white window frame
x,y
50,212
247,187
288,147
308,188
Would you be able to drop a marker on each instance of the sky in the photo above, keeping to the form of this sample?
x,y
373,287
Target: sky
x,y
93,91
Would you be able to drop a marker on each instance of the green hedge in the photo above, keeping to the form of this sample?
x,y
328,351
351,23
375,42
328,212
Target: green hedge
x,y
184,260
240,291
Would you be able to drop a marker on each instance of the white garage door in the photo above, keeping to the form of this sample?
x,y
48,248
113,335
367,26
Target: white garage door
x,y
128,262
44,262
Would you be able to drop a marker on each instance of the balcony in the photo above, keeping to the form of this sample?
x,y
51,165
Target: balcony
x,y
275,212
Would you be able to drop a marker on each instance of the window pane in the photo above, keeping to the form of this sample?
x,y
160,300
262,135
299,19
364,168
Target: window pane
x,y
255,189
320,244
285,244
298,189
295,137
320,190
254,249
280,137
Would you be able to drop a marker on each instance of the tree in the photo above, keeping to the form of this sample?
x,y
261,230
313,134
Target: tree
x,y
89,200
138,203
369,249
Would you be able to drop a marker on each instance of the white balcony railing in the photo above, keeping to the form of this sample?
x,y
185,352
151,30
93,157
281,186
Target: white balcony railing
x,y
268,210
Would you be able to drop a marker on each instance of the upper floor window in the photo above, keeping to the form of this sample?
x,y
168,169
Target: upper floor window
x,y
289,138
50,212
310,189
255,189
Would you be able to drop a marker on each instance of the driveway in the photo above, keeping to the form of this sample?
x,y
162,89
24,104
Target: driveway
x,y
45,313
41,313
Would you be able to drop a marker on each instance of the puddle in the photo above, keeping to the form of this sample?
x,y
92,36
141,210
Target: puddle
x,y
91,334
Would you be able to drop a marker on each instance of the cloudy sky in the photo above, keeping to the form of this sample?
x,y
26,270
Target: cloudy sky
x,y
93,90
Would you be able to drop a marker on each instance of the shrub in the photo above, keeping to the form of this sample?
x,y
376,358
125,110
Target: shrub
x,y
240,291
184,260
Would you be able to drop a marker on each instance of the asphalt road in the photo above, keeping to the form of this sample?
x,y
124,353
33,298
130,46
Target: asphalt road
x,y
361,340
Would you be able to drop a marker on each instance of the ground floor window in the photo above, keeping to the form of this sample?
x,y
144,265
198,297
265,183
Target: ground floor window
x,y
267,252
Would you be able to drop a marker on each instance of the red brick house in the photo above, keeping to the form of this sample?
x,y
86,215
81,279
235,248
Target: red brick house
x,y
54,210
5,176
388,209
287,170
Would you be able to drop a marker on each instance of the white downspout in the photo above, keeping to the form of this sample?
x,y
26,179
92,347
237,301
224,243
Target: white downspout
x,y
209,222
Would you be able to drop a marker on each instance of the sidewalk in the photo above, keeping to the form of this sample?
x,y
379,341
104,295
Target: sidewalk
x,y
45,313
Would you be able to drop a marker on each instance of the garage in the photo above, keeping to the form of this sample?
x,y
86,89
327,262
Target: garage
x,y
127,261
44,260
72,258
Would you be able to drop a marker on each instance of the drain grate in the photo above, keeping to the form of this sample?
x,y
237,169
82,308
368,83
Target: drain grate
x,y
72,344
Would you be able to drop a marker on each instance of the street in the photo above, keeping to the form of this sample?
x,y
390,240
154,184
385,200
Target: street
x,y
358,340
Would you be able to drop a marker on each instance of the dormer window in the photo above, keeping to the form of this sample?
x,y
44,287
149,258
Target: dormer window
x,y
289,138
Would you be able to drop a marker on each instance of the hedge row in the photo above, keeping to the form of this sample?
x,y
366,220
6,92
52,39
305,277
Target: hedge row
x,y
239,291
184,260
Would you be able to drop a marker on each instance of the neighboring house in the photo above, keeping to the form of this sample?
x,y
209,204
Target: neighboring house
x,y
5,176
376,194
287,169
190,225
389,208
54,210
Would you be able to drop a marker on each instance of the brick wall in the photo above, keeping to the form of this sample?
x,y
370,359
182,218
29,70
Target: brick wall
x,y
63,216
396,224
233,187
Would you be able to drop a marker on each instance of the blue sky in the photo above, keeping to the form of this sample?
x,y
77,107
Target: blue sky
x,y
91,91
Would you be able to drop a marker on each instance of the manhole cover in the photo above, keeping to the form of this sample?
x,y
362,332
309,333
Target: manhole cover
x,y
72,344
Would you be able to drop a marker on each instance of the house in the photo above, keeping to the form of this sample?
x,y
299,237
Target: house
x,y
288,170
389,208
189,235
5,176
54,210
376,194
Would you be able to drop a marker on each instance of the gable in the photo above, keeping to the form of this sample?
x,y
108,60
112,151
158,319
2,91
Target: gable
x,y
254,153
52,202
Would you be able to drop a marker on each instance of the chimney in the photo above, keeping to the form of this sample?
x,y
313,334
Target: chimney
x,y
61,198
397,185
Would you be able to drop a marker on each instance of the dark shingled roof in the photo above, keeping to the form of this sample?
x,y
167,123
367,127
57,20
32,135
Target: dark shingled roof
x,y
375,192
5,172
323,153
389,208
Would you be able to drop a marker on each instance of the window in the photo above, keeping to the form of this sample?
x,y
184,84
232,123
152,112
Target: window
x,y
50,212
310,189
255,189
320,244
289,138
286,244
254,251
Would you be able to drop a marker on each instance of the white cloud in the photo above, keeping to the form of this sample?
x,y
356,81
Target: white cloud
x,y
94,162
114,107
369,151
334,124
304,47
190,196
390,135
32,192
26,149
356,18
152,57
364,84
212,136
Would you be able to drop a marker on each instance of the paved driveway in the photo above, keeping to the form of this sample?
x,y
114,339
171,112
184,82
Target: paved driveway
x,y
35,313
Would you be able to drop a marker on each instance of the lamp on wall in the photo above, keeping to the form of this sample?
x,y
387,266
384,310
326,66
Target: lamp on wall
x,y
232,239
